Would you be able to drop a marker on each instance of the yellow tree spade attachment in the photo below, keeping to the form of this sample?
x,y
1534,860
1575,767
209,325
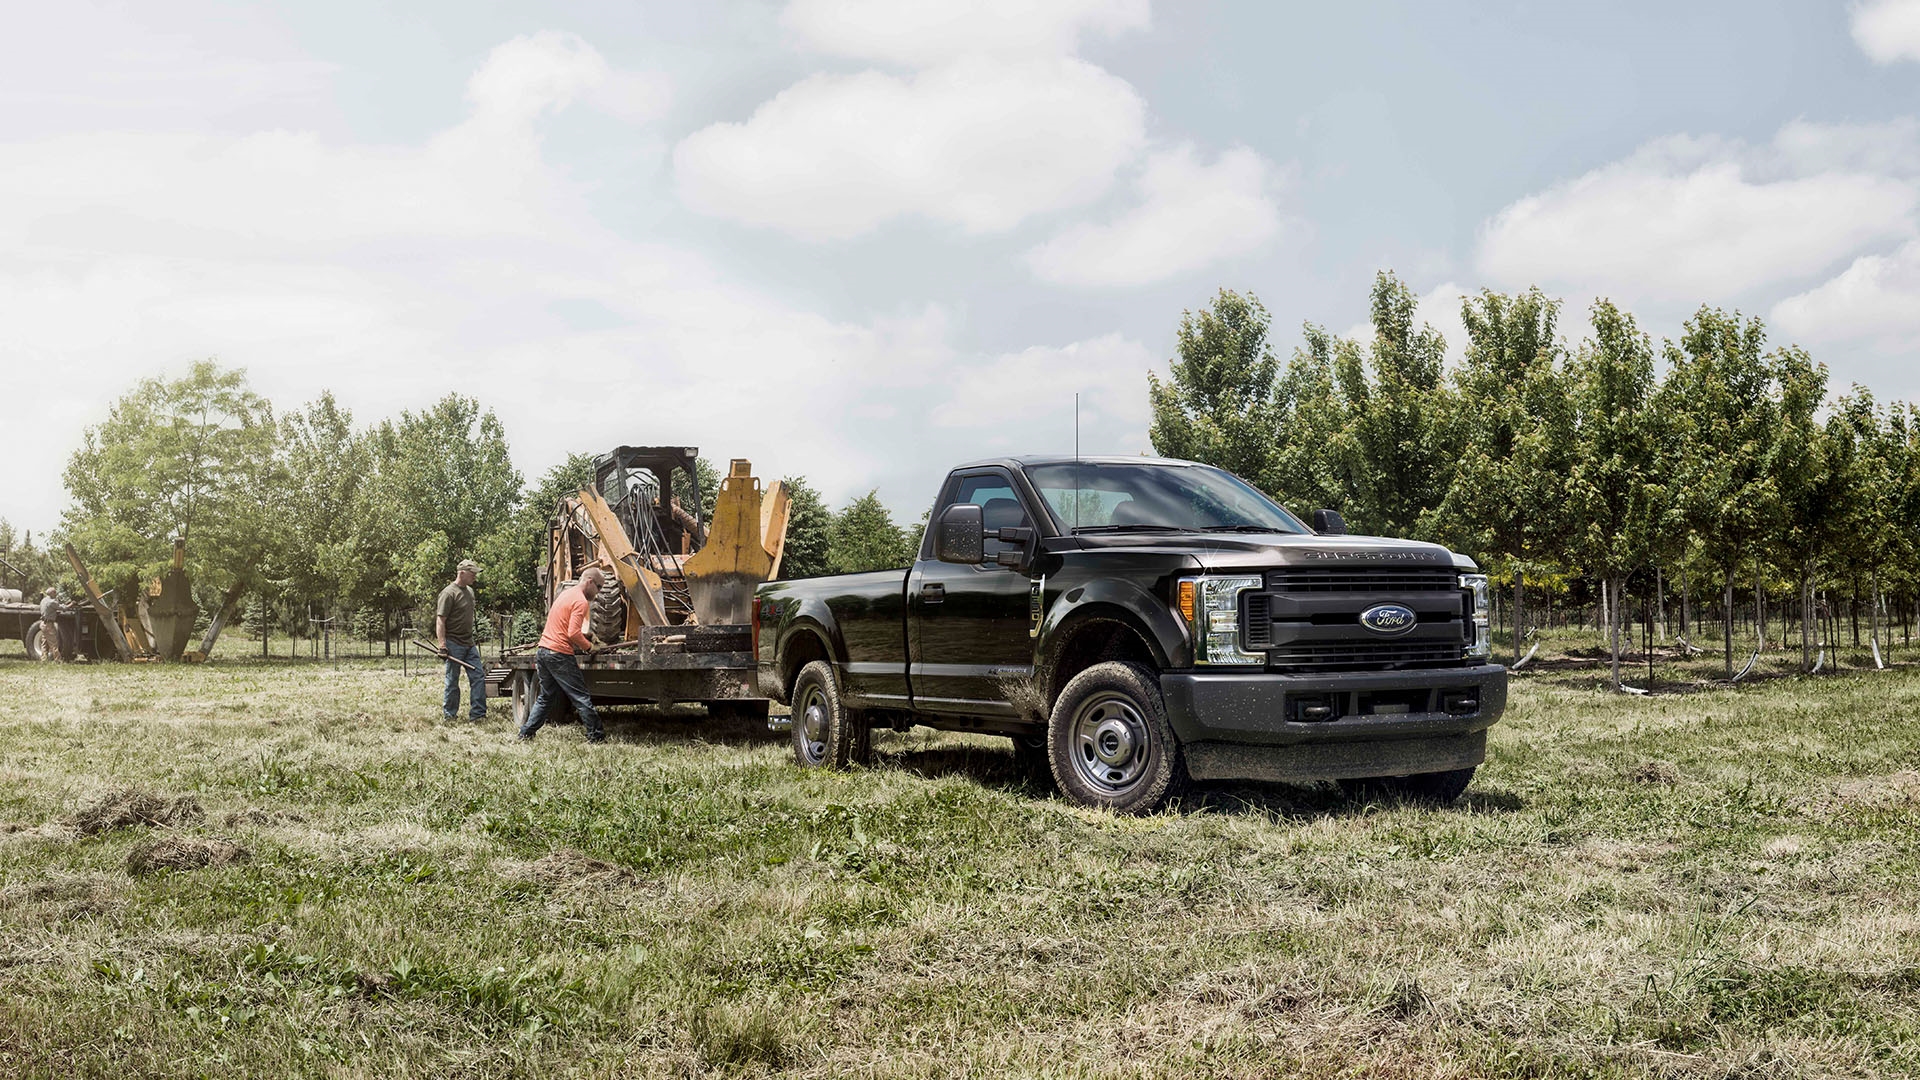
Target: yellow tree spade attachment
x,y
744,543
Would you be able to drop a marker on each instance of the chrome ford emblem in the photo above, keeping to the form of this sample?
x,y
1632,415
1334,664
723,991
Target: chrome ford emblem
x,y
1389,620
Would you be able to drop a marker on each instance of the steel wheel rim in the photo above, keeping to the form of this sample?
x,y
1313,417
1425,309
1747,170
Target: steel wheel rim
x,y
810,726
1110,744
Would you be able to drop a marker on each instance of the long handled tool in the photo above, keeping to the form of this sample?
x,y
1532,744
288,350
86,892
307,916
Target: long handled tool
x,y
445,656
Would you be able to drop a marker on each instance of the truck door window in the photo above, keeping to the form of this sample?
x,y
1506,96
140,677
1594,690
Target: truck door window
x,y
1000,507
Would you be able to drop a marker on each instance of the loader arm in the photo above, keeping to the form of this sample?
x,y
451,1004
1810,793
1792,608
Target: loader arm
x,y
641,584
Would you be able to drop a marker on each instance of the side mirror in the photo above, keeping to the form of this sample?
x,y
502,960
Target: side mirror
x,y
960,537
1329,523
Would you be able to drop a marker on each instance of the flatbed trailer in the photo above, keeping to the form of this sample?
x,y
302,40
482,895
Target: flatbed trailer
x,y
78,626
666,665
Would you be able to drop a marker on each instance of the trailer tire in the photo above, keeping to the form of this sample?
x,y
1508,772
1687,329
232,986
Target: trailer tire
x,y
827,734
31,639
522,691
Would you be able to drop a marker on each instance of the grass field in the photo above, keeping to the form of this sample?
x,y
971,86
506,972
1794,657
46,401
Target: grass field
x,y
1701,884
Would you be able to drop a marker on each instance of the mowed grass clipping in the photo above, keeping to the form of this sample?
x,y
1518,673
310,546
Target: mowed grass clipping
x,y
246,869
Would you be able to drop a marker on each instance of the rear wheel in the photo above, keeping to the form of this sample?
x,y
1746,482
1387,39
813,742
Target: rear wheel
x,y
32,641
826,734
1109,742
1433,787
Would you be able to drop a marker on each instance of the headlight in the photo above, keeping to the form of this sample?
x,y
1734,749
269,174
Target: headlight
x,y
1480,645
1211,606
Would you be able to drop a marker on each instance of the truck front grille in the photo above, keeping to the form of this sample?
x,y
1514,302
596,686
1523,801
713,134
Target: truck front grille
x,y
1308,618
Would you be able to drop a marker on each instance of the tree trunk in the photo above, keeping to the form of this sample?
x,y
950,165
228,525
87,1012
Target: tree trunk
x,y
1853,610
1726,622
1519,611
1660,596
1806,619
1759,612
1686,599
1612,588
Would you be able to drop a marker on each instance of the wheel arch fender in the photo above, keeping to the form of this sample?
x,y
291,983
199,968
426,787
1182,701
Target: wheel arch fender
x,y
806,639
1084,609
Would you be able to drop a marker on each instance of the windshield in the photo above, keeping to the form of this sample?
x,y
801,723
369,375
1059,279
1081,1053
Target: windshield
x,y
1115,497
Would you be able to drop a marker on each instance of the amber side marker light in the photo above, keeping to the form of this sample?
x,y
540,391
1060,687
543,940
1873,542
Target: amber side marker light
x,y
1186,601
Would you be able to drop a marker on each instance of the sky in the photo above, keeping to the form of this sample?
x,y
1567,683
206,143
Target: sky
x,y
864,240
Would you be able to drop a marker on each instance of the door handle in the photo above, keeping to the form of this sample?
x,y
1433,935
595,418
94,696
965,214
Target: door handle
x,y
933,593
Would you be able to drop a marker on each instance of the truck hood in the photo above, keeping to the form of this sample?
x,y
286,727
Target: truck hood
x,y
1260,551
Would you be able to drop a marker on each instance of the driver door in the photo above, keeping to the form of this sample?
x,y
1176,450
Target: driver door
x,y
968,648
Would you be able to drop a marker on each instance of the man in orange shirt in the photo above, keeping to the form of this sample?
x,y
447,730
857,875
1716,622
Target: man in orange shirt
x,y
566,634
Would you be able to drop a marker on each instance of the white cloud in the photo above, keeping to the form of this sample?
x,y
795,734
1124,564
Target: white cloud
x,y
1190,215
1694,220
548,70
1875,303
980,144
922,33
1887,30
392,274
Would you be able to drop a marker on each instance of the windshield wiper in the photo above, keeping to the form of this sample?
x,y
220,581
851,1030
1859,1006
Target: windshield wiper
x,y
1142,527
1242,528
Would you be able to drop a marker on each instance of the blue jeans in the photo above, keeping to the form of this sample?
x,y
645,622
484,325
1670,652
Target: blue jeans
x,y
476,683
560,674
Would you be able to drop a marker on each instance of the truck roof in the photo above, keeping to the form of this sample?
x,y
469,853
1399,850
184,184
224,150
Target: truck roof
x,y
1025,460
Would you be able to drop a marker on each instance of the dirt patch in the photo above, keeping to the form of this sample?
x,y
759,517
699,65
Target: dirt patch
x,y
567,867
183,853
1656,773
125,807
1881,792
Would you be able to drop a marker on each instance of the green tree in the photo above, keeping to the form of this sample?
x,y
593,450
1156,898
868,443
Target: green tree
x,y
1309,418
1400,446
1719,395
444,485
1516,423
1218,405
809,531
326,462
864,537
192,458
1614,496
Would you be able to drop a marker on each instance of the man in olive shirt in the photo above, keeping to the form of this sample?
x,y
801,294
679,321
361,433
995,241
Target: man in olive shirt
x,y
50,626
453,625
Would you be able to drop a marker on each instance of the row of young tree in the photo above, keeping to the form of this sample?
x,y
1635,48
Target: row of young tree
x,y
1713,458
304,515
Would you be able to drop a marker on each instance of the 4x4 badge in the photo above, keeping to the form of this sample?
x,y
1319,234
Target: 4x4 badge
x,y
1389,620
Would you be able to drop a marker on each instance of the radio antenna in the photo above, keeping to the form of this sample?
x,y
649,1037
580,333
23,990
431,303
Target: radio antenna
x,y
1076,459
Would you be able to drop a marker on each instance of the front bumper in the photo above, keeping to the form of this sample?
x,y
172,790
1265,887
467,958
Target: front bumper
x,y
1379,723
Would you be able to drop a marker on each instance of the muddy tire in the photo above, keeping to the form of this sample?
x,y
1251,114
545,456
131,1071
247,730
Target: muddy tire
x,y
826,734
1109,744
608,620
1439,788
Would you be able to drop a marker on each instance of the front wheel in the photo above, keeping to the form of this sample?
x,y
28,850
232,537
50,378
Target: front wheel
x,y
1109,742
826,734
1434,787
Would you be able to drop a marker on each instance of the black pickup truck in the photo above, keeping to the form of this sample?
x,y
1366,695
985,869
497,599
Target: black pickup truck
x,y
1134,623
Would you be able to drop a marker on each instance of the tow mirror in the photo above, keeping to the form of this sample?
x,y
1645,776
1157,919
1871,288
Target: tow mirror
x,y
961,535
1329,523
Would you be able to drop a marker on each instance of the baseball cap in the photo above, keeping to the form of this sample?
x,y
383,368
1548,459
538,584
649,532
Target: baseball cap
x,y
470,565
